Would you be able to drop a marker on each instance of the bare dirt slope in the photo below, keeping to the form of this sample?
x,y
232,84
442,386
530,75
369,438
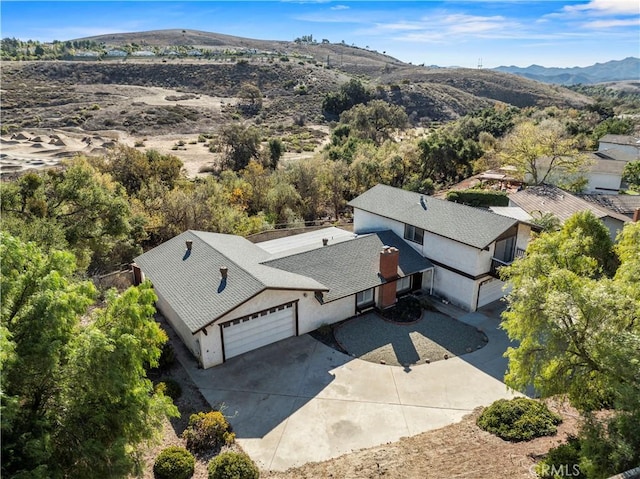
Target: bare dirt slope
x,y
458,451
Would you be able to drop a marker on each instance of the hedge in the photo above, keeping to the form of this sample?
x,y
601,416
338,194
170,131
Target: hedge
x,y
481,198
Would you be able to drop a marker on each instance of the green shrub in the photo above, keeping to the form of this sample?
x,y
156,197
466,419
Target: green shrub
x,y
479,198
562,461
233,465
170,387
174,463
208,431
519,419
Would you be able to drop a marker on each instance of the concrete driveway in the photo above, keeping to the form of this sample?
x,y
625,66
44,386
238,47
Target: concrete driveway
x,y
298,400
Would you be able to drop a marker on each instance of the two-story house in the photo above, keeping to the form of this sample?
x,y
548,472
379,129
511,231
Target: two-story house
x,y
224,295
466,245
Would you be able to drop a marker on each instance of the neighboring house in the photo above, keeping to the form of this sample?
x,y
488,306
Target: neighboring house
x,y
143,53
627,205
538,200
605,174
116,53
466,245
225,296
620,147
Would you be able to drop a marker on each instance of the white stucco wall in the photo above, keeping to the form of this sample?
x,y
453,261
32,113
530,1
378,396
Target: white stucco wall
x,y
177,324
365,222
457,289
613,225
524,236
456,255
311,315
603,183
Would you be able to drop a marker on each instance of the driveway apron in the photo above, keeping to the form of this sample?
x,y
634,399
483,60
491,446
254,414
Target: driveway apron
x,y
298,401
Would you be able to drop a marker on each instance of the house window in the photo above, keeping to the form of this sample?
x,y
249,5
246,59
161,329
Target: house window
x,y
505,249
413,233
403,284
364,298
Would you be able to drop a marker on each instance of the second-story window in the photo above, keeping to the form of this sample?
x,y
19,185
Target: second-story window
x,y
413,233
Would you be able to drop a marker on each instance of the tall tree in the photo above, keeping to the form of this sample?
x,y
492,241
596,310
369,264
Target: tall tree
x,y
251,98
240,144
375,121
543,152
576,318
557,308
446,157
75,398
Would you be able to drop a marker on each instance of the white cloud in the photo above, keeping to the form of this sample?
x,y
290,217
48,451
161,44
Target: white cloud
x,y
436,28
340,7
462,24
606,7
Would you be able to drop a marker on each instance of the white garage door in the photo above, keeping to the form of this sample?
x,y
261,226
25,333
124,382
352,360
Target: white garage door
x,y
259,329
490,291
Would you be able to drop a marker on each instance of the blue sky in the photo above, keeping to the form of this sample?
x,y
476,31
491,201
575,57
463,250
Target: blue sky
x,y
445,33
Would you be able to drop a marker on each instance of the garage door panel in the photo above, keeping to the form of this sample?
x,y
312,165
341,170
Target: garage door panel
x,y
491,291
250,333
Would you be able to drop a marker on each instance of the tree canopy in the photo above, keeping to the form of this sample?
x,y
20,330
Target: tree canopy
x,y
75,396
375,121
240,144
575,313
631,174
542,153
76,207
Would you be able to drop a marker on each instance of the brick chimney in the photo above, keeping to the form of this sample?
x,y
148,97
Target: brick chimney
x,y
389,259
636,215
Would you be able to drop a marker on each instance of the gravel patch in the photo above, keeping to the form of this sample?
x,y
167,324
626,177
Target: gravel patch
x,y
429,339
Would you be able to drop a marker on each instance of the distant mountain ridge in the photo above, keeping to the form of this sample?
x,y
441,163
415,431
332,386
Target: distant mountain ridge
x,y
615,70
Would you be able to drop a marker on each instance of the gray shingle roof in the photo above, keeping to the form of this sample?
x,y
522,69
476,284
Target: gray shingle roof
x,y
465,224
620,139
192,285
623,204
551,199
351,266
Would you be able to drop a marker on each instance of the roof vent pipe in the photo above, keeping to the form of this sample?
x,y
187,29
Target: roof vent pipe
x,y
189,244
223,272
325,241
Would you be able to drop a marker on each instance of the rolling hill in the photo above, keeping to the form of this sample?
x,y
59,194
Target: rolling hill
x,y
294,78
616,70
